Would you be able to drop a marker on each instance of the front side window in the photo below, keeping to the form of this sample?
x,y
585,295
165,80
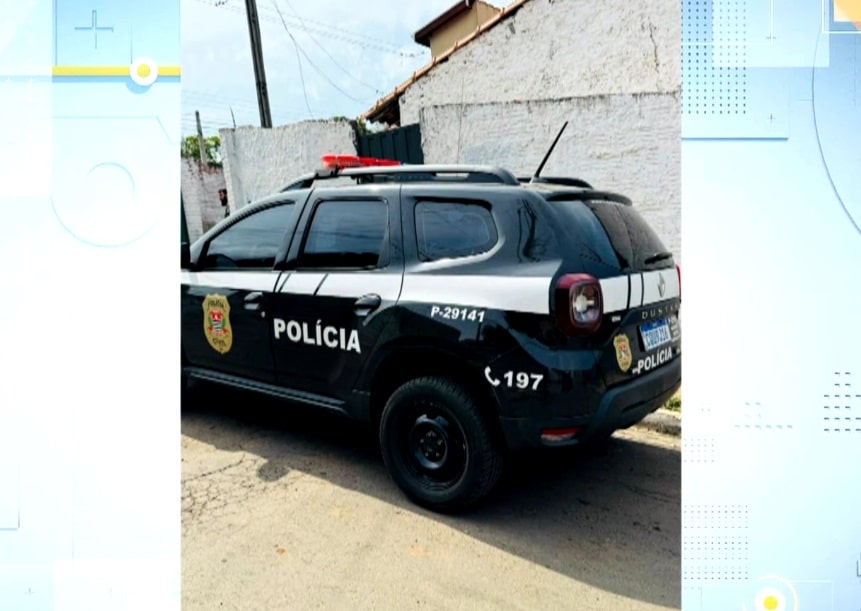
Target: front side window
x,y
252,242
346,234
449,230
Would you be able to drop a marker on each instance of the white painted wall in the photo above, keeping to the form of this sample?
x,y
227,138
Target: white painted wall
x,y
623,143
257,161
552,49
613,69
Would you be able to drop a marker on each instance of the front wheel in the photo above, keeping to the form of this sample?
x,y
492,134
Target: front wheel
x,y
437,445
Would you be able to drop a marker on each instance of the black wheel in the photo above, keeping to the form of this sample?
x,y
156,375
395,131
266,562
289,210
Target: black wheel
x,y
437,445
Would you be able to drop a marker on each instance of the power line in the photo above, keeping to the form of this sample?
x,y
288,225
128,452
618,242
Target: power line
x,y
313,65
329,55
298,59
353,38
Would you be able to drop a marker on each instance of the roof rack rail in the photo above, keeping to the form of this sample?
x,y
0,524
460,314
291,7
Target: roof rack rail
x,y
409,173
453,173
557,180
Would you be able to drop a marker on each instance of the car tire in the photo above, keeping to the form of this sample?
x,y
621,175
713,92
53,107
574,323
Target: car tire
x,y
438,446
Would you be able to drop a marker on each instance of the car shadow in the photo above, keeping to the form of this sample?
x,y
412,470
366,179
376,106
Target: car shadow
x,y
581,515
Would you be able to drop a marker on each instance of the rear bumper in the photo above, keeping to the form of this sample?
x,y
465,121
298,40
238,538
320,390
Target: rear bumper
x,y
619,408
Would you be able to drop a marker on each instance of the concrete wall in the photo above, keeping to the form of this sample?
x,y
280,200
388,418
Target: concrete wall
x,y
613,142
200,196
613,69
257,161
553,49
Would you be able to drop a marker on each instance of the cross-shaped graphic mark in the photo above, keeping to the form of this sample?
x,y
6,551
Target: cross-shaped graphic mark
x,y
95,28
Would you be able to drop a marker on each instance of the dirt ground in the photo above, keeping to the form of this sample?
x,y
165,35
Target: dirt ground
x,y
283,508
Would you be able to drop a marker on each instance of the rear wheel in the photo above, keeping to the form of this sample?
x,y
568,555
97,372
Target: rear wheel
x,y
438,446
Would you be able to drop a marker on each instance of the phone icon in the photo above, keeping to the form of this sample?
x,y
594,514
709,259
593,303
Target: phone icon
x,y
490,378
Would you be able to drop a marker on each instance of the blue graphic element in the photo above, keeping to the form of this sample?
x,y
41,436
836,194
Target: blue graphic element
x,y
837,119
89,168
774,34
770,226
722,96
140,28
95,28
27,47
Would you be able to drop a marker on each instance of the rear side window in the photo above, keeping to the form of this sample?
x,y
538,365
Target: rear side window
x,y
346,234
633,239
613,233
449,230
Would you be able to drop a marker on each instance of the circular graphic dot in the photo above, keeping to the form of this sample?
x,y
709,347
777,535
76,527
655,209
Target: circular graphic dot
x,y
144,71
770,599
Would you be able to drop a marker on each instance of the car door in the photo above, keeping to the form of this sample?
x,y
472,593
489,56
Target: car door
x,y
226,296
342,276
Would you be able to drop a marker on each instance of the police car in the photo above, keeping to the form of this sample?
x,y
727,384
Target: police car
x,y
461,310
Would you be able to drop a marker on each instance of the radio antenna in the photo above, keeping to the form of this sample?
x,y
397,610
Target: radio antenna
x,y
549,152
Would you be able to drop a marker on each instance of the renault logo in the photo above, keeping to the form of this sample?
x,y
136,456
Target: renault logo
x,y
662,284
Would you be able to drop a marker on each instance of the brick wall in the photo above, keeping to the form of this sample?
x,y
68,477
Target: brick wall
x,y
200,196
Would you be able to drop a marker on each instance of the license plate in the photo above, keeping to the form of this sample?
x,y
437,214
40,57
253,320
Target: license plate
x,y
655,334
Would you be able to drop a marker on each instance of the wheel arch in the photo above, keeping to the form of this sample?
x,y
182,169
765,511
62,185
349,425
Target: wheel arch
x,y
402,363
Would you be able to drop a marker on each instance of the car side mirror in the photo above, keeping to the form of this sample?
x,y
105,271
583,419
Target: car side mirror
x,y
185,256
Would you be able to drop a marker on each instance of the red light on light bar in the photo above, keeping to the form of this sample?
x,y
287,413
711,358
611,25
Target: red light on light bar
x,y
340,162
559,435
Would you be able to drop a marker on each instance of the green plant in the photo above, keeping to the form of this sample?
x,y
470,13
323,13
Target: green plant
x,y
674,404
190,149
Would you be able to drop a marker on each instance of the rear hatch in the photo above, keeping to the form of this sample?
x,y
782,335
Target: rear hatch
x,y
640,284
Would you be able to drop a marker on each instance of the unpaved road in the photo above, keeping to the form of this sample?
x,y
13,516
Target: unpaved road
x,y
283,508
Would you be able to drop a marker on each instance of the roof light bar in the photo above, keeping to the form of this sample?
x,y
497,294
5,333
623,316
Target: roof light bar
x,y
339,162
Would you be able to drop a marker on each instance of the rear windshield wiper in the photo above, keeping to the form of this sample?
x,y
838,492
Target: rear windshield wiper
x,y
658,256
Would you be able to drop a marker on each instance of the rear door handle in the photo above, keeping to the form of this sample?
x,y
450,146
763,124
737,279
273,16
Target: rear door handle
x,y
366,304
252,300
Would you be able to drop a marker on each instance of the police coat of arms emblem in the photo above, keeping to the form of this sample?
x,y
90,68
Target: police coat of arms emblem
x,y
216,323
623,352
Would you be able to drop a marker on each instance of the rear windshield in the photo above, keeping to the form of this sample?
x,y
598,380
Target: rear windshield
x,y
620,236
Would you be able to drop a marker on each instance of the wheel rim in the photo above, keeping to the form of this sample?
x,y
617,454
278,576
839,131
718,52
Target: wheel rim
x,y
433,448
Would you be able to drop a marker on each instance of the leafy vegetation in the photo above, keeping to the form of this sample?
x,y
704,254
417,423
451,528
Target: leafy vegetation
x,y
191,149
675,403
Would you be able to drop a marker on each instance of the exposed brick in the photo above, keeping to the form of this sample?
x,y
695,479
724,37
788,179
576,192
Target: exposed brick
x,y
200,197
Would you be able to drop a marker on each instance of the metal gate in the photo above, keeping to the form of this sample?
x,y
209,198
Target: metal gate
x,y
402,144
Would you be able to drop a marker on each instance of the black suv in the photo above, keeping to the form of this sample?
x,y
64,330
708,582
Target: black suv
x,y
461,310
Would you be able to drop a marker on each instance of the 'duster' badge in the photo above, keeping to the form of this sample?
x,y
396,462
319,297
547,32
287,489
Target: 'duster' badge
x,y
623,352
216,323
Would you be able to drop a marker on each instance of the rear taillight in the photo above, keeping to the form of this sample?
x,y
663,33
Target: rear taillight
x,y
679,272
579,304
